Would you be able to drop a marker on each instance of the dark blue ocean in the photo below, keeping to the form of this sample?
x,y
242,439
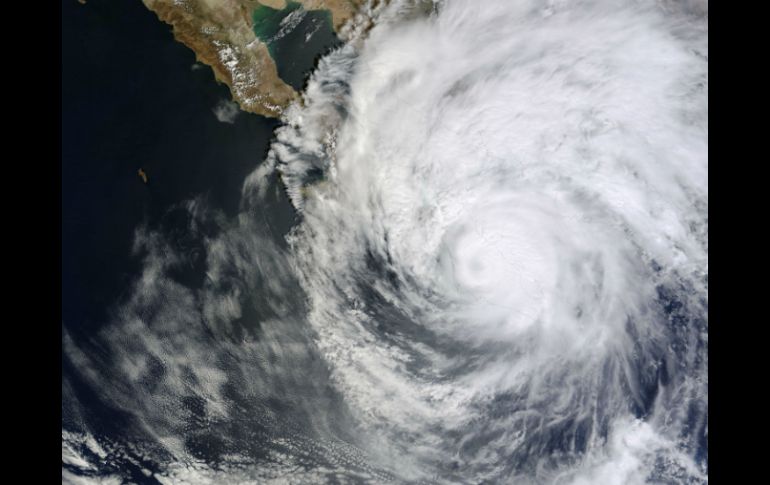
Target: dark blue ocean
x,y
211,333
133,98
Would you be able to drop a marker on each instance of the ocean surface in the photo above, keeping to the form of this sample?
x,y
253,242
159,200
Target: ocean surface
x,y
477,252
296,38
134,98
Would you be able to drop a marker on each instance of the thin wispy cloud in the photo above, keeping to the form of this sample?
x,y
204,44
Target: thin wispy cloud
x,y
226,111
501,275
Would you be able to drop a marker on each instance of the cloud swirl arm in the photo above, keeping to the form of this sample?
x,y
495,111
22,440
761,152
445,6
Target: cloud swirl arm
x,y
515,201
493,268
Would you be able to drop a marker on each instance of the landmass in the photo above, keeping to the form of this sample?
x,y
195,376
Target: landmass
x,y
221,33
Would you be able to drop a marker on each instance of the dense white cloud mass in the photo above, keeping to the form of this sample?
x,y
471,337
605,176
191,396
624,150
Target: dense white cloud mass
x,y
500,271
516,191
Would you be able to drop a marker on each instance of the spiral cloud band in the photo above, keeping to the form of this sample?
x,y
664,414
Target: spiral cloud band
x,y
516,196
498,272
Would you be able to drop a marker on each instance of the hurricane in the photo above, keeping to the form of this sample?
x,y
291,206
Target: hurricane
x,y
498,271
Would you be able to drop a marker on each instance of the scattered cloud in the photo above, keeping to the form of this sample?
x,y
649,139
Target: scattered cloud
x,y
226,111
